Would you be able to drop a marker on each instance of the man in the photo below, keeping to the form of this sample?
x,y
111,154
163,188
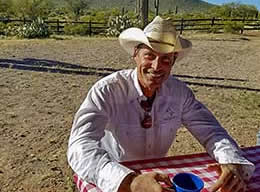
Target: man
x,y
135,114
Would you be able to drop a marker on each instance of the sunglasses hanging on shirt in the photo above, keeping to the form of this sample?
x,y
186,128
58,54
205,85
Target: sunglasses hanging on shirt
x,y
147,107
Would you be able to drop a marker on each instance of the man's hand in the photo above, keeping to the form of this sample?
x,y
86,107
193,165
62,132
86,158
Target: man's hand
x,y
148,182
230,178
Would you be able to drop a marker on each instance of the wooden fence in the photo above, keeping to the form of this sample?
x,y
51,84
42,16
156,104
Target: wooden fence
x,y
57,26
214,24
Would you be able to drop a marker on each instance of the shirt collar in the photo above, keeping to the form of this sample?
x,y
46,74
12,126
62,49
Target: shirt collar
x,y
137,85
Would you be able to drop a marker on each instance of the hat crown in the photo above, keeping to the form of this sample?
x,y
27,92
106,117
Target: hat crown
x,y
161,30
160,35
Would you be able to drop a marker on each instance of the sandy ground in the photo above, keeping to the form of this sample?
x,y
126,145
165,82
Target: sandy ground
x,y
43,82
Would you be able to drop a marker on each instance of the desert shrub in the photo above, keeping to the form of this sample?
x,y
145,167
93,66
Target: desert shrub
x,y
214,29
233,27
76,29
2,28
37,29
119,23
11,29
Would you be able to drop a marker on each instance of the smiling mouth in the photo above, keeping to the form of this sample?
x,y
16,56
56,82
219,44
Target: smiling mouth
x,y
156,75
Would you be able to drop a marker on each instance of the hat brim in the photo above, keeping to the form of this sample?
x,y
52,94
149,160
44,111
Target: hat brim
x,y
132,37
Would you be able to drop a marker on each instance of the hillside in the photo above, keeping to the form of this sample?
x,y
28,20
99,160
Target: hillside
x,y
165,5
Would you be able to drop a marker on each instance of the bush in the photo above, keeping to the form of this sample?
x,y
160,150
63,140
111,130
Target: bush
x,y
11,29
37,29
76,29
119,23
214,29
233,27
2,28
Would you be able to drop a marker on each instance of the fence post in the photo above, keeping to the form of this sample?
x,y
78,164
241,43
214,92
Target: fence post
x,y
242,30
212,21
58,26
5,21
89,26
182,25
24,20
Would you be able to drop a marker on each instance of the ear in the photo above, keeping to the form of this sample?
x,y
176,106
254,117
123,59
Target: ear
x,y
135,52
175,55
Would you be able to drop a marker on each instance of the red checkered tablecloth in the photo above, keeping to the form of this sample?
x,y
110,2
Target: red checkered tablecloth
x,y
194,163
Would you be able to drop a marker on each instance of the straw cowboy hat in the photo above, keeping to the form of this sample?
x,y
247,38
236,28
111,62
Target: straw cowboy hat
x,y
160,35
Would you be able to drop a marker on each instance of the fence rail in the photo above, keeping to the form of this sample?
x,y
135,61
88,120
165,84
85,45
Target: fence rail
x,y
57,26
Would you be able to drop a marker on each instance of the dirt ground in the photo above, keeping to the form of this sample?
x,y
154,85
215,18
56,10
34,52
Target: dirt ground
x,y
43,82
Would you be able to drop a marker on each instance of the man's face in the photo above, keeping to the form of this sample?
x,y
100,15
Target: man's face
x,y
153,68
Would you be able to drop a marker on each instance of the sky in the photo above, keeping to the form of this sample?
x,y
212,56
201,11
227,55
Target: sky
x,y
249,2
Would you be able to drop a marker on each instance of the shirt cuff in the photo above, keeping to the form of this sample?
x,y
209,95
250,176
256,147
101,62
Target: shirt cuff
x,y
233,155
111,176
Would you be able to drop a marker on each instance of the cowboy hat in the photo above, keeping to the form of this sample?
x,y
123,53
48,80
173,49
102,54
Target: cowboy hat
x,y
160,35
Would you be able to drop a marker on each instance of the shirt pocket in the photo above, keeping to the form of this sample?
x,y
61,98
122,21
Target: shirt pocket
x,y
168,130
132,139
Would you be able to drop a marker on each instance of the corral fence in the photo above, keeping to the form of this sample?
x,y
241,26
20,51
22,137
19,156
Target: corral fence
x,y
93,28
57,26
214,24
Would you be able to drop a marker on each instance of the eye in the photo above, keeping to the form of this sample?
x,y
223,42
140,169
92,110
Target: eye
x,y
166,59
149,55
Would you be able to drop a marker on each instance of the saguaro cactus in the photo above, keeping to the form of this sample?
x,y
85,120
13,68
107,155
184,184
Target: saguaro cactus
x,y
145,9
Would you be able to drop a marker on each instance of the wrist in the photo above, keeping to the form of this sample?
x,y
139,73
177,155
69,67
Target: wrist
x,y
126,183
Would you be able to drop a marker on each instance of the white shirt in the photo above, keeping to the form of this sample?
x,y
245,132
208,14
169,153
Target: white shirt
x,y
107,129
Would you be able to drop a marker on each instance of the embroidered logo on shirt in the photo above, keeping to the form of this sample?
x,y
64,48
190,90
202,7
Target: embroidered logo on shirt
x,y
170,114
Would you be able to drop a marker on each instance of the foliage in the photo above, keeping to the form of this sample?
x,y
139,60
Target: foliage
x,y
76,8
119,23
31,8
233,27
5,7
214,29
76,29
234,10
37,29
100,15
2,28
11,29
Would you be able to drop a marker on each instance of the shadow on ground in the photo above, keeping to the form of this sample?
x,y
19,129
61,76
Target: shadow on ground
x,y
51,66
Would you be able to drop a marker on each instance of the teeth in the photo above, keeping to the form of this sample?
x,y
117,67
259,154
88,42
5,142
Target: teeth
x,y
157,76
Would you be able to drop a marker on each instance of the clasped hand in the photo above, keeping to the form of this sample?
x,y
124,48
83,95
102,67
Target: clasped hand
x,y
149,182
230,178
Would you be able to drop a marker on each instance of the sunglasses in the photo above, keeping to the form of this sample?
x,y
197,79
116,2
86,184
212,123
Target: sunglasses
x,y
147,107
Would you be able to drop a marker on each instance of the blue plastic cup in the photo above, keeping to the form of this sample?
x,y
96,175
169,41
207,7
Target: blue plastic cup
x,y
187,182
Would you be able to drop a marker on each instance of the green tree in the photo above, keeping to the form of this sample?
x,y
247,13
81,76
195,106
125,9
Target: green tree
x,y
76,7
32,8
5,7
247,11
234,10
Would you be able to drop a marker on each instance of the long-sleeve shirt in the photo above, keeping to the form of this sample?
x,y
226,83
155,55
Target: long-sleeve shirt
x,y
107,128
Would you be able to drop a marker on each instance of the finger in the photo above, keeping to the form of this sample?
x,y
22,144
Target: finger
x,y
167,189
233,184
241,187
222,181
163,178
215,167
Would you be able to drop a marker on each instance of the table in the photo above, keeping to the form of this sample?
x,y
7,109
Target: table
x,y
194,163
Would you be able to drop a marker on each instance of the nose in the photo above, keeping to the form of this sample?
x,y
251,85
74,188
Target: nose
x,y
156,64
